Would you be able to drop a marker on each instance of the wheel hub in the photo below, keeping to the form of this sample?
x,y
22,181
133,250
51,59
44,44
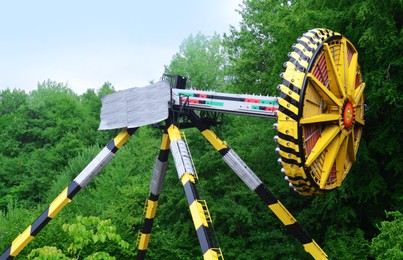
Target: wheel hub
x,y
348,115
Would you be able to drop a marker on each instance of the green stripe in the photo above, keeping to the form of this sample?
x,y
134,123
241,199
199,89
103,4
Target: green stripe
x,y
270,102
186,94
214,103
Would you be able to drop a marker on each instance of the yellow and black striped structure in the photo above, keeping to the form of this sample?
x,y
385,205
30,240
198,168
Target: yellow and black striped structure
x,y
86,175
151,204
320,119
256,185
321,111
198,208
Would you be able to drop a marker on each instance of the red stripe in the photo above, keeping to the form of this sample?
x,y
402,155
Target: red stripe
x,y
252,100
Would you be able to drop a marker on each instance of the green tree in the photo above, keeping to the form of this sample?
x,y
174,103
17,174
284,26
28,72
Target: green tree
x,y
41,132
89,237
202,60
389,243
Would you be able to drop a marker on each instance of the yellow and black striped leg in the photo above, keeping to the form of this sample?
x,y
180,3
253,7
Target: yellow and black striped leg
x,y
151,205
86,175
198,208
256,185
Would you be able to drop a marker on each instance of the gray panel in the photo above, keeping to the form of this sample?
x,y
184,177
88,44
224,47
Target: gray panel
x,y
181,157
94,167
158,178
135,107
241,169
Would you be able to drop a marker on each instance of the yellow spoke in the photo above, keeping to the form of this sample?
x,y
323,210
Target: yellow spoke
x,y
344,63
340,160
351,76
333,71
351,148
326,94
332,150
359,92
327,135
320,118
359,120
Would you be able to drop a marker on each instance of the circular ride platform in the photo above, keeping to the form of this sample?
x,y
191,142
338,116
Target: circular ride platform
x,y
321,112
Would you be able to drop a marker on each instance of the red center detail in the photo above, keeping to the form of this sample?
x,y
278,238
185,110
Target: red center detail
x,y
348,115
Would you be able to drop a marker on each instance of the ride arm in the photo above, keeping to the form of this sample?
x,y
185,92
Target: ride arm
x,y
150,208
241,104
86,175
256,185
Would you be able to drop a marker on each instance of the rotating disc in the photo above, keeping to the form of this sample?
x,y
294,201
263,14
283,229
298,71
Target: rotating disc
x,y
321,112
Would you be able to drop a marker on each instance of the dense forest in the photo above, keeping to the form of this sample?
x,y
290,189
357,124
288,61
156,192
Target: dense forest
x,y
50,134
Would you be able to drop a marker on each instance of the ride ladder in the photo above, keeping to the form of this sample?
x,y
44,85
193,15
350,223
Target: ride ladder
x,y
202,205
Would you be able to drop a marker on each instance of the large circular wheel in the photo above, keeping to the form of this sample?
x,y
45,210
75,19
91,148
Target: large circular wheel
x,y
321,112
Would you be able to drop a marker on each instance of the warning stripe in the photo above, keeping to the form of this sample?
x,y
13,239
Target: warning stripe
x,y
144,235
198,208
199,218
152,202
265,195
93,168
290,222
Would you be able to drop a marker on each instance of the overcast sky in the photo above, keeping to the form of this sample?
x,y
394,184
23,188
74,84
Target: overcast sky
x,y
86,43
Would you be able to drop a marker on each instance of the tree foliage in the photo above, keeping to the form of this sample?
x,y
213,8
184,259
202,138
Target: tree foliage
x,y
88,238
202,60
389,243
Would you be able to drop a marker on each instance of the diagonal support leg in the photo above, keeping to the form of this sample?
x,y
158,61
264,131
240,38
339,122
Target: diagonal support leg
x,y
256,185
86,175
198,208
161,164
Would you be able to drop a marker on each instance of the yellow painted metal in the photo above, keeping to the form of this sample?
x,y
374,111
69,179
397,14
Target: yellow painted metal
x,y
58,203
290,93
320,118
324,68
287,127
315,250
174,133
214,140
213,254
330,157
151,208
359,92
21,241
187,177
359,120
351,76
334,80
302,62
325,93
121,138
143,241
327,136
340,162
351,148
165,142
198,216
282,213
290,106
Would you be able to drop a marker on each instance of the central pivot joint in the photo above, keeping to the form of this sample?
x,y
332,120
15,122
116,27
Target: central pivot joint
x,y
348,115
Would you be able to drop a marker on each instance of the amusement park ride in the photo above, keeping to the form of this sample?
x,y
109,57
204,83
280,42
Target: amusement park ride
x,y
320,115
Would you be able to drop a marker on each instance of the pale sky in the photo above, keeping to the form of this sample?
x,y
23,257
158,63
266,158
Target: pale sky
x,y
86,43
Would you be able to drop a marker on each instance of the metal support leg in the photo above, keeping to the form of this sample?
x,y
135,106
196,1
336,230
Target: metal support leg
x,y
86,175
256,185
150,208
198,208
